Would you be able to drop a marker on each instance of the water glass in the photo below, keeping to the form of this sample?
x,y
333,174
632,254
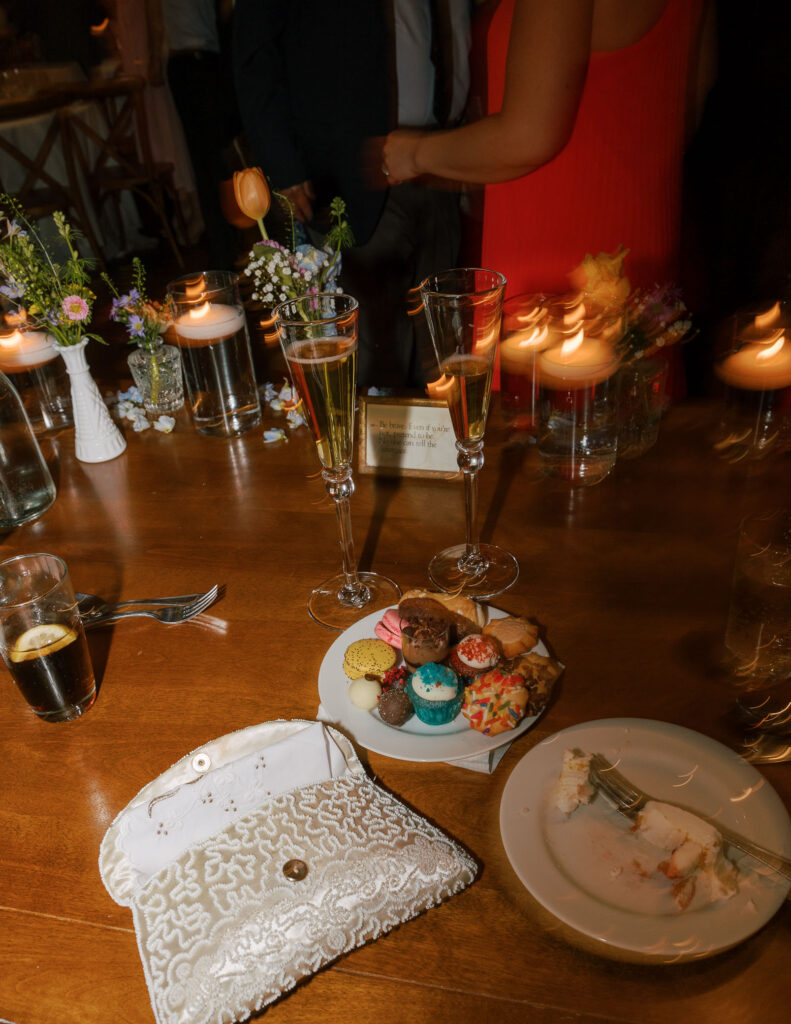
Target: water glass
x,y
210,329
42,638
758,632
26,486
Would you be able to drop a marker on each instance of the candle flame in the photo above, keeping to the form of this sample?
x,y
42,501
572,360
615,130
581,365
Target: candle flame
x,y
534,338
772,350
195,289
575,314
199,312
769,317
9,340
568,348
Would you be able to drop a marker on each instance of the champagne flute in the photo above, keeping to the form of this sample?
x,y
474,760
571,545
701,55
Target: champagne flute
x,y
464,308
318,335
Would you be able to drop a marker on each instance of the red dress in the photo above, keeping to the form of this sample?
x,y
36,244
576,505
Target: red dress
x,y
618,178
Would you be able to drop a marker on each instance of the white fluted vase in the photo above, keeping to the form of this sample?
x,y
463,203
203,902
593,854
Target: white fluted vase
x,y
96,437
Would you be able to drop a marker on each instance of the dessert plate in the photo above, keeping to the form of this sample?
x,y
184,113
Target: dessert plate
x,y
413,741
591,872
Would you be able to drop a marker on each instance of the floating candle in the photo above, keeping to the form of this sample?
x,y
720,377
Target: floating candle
x,y
577,363
207,323
758,367
25,350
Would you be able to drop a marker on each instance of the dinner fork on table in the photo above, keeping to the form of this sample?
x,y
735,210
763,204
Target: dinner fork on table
x,y
170,610
629,799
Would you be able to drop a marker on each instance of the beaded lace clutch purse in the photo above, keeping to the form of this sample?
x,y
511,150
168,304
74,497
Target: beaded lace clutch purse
x,y
259,858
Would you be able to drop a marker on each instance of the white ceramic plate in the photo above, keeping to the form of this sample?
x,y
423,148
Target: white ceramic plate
x,y
413,741
588,869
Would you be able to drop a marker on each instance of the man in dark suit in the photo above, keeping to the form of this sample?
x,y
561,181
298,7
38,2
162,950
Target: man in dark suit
x,y
316,83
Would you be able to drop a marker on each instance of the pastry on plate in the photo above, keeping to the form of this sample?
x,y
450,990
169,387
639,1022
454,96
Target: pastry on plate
x,y
540,674
494,702
462,613
515,635
474,654
364,693
388,628
368,658
435,692
395,707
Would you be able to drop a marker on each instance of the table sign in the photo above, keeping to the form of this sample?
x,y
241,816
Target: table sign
x,y
406,437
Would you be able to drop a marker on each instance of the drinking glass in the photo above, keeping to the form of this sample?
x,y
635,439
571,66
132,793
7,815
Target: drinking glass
x,y
464,308
318,335
210,329
758,634
42,638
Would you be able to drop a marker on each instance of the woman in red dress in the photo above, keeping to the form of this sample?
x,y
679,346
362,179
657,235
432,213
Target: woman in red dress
x,y
590,104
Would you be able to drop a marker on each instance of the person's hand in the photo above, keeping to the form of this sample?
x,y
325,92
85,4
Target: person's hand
x,y
399,161
301,198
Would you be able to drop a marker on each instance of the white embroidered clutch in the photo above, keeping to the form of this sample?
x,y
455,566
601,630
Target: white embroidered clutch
x,y
259,858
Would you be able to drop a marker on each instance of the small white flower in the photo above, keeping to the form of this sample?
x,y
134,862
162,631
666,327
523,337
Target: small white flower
x,y
140,423
295,419
274,435
165,424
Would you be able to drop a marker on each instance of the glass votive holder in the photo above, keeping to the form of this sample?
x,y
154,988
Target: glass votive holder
x,y
38,373
758,632
524,336
424,639
578,410
210,329
756,417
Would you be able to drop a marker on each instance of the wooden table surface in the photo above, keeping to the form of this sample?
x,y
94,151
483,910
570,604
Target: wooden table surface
x,y
628,579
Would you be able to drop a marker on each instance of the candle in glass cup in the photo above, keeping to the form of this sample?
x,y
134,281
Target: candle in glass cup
x,y
578,427
211,331
757,378
525,335
40,377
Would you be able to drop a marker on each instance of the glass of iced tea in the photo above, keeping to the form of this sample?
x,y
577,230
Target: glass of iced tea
x,y
464,309
42,638
318,335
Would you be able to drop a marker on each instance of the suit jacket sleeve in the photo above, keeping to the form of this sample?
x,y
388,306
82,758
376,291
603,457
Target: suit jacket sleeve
x,y
261,77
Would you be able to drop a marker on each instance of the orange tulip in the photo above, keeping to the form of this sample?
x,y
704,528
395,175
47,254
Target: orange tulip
x,y
252,195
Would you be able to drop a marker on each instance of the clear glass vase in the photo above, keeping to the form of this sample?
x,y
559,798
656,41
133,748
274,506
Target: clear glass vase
x,y
157,375
641,402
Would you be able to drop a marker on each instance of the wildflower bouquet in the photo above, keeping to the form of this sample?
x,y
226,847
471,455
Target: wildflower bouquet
x,y
653,319
55,297
280,273
145,321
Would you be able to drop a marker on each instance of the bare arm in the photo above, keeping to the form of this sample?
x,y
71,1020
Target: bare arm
x,y
548,56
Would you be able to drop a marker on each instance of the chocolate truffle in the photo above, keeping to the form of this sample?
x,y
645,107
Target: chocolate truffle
x,y
394,706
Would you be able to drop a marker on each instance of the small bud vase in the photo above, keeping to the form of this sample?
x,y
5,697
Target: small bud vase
x,y
96,437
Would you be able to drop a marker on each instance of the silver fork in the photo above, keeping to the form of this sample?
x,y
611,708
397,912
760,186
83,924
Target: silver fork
x,y
92,604
171,614
630,800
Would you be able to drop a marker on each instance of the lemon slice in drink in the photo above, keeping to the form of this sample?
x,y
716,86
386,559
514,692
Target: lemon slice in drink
x,y
38,640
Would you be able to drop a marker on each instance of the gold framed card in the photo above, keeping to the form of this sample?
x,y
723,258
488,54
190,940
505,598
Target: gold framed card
x,y
405,437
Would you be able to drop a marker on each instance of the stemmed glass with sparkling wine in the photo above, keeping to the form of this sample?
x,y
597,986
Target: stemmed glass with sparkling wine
x,y
318,335
464,308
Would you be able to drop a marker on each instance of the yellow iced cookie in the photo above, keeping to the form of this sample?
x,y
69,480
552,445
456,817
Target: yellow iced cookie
x,y
368,657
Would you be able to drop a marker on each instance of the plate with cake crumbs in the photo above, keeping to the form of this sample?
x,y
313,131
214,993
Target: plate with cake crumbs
x,y
661,887
413,740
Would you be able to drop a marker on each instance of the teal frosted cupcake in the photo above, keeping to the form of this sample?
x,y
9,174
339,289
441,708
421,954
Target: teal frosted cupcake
x,y
435,693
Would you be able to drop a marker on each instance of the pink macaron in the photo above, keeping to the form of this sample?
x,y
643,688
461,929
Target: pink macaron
x,y
389,628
